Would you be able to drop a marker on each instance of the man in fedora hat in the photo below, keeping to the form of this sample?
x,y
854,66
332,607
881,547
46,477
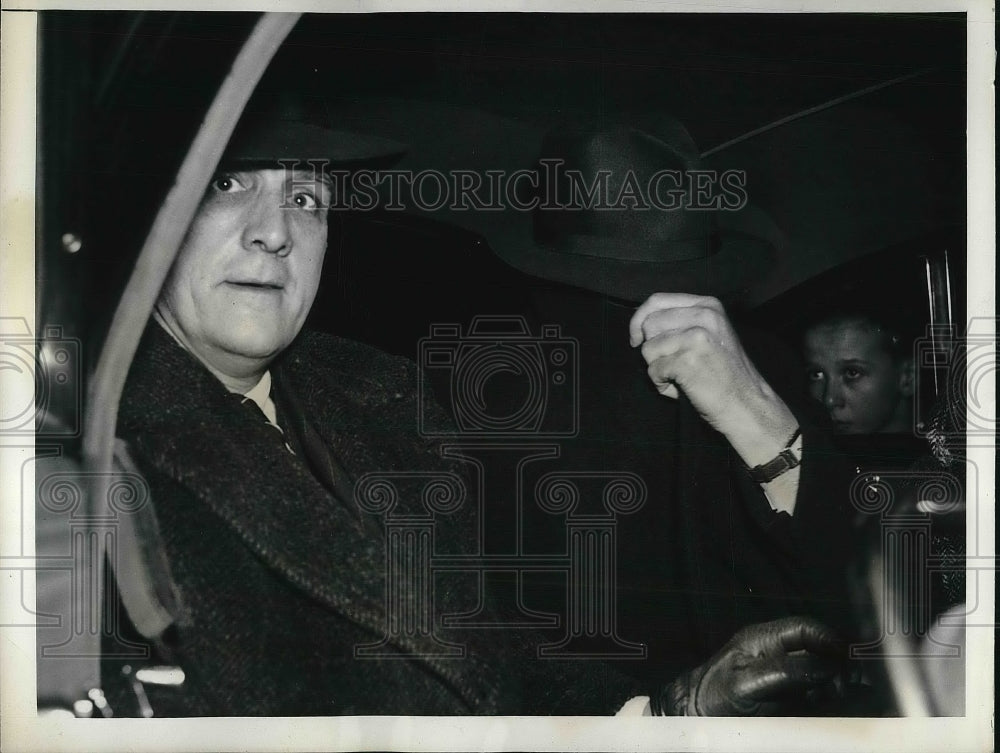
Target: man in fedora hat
x,y
749,511
252,434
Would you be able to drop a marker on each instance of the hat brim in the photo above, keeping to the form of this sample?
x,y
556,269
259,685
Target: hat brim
x,y
480,141
733,272
284,141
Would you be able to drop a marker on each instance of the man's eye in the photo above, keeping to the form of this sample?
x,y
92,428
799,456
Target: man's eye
x,y
227,184
851,374
306,201
814,375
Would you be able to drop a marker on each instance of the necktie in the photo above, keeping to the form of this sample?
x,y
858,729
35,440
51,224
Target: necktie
x,y
302,440
285,438
320,458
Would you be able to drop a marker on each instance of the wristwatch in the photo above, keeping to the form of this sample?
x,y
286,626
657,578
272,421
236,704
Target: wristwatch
x,y
785,460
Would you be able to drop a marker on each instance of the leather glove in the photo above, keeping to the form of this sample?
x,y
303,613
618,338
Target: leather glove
x,y
766,669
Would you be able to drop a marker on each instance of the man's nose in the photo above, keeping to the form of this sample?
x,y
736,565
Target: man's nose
x,y
267,227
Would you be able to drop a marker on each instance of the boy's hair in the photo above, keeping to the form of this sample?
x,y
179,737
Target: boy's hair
x,y
892,340
895,337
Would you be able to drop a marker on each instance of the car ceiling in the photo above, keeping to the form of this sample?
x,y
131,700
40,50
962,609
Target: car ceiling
x,y
123,93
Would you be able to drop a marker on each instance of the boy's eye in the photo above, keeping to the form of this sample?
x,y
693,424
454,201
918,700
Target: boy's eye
x,y
852,374
814,375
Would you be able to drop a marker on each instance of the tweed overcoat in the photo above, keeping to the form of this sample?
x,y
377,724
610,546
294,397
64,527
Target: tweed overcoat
x,y
279,580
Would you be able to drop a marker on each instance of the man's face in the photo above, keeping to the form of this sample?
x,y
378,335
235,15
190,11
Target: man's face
x,y
864,389
248,269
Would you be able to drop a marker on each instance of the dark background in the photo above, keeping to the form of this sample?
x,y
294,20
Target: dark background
x,y
122,95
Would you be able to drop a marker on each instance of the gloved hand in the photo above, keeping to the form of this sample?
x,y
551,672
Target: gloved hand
x,y
767,669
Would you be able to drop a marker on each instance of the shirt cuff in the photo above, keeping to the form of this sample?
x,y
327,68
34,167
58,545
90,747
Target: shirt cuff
x,y
784,490
637,706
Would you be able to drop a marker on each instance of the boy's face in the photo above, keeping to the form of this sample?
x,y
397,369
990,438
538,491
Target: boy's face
x,y
864,389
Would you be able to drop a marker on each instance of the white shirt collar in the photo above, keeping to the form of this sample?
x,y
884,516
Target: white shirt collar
x,y
261,394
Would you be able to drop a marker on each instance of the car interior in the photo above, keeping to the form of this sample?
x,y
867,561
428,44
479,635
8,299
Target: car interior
x,y
854,152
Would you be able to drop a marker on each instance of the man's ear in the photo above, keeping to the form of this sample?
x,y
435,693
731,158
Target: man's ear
x,y
907,377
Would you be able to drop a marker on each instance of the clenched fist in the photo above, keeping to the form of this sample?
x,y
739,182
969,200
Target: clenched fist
x,y
691,347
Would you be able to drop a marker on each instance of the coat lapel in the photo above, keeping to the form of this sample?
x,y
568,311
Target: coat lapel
x,y
181,419
240,469
314,449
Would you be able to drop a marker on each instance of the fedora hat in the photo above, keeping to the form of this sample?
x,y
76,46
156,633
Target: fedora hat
x,y
282,130
626,209
620,253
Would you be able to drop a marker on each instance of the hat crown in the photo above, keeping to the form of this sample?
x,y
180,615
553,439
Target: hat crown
x,y
620,192
273,132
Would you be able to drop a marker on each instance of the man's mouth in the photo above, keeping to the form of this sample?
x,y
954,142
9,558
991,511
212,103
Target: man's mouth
x,y
255,285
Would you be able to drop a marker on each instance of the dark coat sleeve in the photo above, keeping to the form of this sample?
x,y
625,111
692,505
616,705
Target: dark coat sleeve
x,y
816,541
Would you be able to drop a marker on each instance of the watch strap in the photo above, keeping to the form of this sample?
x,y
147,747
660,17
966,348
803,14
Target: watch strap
x,y
783,462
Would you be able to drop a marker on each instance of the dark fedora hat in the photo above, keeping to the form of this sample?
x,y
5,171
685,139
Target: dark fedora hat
x,y
625,209
283,130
